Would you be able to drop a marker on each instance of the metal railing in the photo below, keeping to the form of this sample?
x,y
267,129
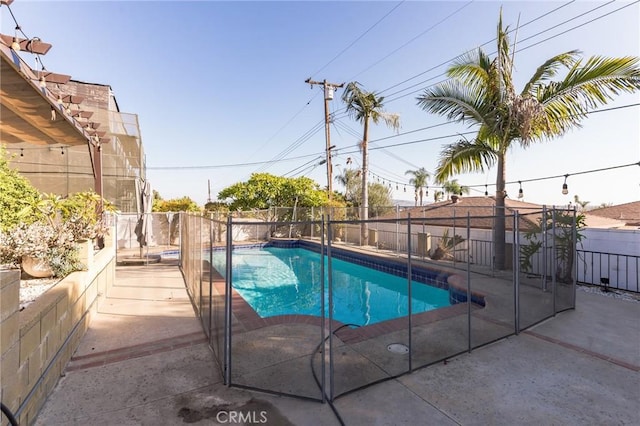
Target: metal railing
x,y
609,270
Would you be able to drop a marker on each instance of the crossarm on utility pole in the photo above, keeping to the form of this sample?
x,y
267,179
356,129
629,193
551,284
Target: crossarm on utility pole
x,y
328,95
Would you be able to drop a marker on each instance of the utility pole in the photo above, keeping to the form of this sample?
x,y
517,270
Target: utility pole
x,y
328,96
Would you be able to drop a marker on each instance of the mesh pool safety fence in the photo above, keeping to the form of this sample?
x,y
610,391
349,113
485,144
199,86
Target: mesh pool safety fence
x,y
317,354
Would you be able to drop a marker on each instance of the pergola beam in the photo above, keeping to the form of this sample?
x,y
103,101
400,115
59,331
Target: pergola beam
x,y
32,45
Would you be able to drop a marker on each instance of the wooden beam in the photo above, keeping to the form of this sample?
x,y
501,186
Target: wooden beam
x,y
33,45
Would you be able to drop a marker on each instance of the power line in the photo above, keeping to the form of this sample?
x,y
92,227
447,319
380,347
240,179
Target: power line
x,y
519,49
224,166
412,40
295,170
567,21
301,140
336,116
346,152
296,144
358,39
483,44
286,124
580,25
452,59
384,150
317,154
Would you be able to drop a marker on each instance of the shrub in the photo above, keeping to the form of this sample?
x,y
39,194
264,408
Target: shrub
x,y
15,193
50,228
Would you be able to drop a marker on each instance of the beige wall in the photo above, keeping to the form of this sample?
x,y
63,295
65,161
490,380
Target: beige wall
x,y
38,341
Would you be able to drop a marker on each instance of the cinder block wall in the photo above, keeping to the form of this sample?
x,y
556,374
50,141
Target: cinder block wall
x,y
37,342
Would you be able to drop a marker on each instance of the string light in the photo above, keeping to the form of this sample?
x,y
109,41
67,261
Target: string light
x,y
520,192
21,152
565,188
486,190
16,43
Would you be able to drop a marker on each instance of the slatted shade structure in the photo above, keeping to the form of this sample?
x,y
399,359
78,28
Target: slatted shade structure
x,y
64,135
26,108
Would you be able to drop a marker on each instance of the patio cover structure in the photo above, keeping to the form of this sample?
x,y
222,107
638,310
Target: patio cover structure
x,y
45,115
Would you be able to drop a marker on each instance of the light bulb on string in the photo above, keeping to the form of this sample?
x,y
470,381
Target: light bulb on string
x,y
43,81
520,192
486,190
565,187
15,45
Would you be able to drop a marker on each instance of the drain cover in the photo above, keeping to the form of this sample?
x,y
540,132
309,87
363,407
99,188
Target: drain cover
x,y
398,348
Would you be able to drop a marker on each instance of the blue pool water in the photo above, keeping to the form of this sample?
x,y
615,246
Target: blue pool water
x,y
285,281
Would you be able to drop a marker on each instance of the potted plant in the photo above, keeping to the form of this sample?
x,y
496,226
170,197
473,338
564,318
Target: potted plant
x,y
41,249
46,242
446,247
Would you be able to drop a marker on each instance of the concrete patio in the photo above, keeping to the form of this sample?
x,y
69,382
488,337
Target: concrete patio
x,y
145,360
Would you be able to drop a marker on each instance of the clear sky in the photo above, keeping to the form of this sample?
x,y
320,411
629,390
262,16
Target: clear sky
x,y
219,86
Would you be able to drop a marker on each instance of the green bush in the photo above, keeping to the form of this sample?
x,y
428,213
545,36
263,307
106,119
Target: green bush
x,y
16,192
45,226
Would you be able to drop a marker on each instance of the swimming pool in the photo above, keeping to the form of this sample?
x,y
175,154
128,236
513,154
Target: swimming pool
x,y
287,281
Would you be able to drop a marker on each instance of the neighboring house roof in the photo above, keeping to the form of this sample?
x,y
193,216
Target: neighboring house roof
x,y
629,213
481,211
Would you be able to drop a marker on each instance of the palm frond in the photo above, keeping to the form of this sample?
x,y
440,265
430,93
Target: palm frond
x,y
504,58
550,69
457,102
472,68
392,120
587,87
362,105
465,156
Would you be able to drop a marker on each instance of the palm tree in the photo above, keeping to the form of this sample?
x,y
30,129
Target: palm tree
x,y
452,187
348,179
583,204
419,181
364,106
481,92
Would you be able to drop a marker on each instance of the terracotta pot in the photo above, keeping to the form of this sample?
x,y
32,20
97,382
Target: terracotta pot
x,y
35,267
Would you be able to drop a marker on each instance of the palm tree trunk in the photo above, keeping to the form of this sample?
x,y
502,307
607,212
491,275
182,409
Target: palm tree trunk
x,y
364,229
499,227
